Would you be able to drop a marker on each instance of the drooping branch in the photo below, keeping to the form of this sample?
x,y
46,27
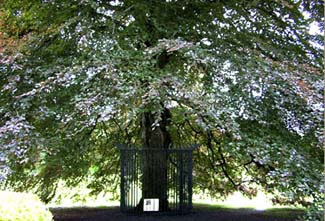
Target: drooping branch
x,y
259,165
213,155
125,130
223,164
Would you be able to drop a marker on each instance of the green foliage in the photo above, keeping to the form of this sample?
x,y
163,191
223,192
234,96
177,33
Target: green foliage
x,y
242,78
21,207
316,210
82,195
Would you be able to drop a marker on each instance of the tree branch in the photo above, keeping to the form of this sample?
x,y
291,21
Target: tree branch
x,y
223,164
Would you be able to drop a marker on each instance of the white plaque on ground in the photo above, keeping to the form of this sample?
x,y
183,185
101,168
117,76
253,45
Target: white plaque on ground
x,y
150,205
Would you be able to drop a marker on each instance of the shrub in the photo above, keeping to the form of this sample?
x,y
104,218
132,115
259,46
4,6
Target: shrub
x,y
22,207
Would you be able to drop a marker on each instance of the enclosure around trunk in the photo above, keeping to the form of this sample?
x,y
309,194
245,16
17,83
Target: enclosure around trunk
x,y
156,180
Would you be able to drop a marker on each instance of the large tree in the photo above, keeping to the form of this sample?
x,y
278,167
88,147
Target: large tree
x,y
241,78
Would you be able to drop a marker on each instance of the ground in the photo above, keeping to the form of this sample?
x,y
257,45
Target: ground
x,y
200,213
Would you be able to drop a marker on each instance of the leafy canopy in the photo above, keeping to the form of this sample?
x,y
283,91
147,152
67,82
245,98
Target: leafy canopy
x,y
242,78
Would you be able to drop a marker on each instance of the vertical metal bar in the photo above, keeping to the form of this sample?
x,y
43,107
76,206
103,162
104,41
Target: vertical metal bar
x,y
139,176
190,179
126,180
133,180
122,184
175,180
181,188
130,178
171,179
150,173
132,173
168,181
159,166
155,169
136,178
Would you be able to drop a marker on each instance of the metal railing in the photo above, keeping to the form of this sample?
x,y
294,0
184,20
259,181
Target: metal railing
x,y
156,180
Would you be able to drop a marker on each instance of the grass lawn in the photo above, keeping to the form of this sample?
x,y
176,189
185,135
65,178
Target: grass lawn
x,y
236,204
201,212
284,212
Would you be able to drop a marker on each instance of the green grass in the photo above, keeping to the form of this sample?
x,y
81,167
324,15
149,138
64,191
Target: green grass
x,y
214,207
284,212
79,199
261,202
85,211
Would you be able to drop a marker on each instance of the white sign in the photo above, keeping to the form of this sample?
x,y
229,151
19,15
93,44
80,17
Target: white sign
x,y
150,205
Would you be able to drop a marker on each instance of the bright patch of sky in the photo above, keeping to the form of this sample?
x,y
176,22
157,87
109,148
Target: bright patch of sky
x,y
314,29
129,20
314,26
116,3
206,41
104,11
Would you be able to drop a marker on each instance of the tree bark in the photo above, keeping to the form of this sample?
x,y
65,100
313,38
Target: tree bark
x,y
155,141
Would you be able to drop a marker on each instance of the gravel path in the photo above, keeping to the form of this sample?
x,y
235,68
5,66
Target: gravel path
x,y
113,214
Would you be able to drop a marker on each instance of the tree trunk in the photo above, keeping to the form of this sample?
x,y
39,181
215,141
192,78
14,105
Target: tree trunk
x,y
154,179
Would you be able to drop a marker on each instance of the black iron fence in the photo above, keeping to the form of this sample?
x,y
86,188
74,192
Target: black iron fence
x,y
156,180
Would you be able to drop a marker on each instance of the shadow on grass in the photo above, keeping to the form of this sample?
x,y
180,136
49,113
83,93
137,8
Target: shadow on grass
x,y
201,212
284,212
67,213
276,212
